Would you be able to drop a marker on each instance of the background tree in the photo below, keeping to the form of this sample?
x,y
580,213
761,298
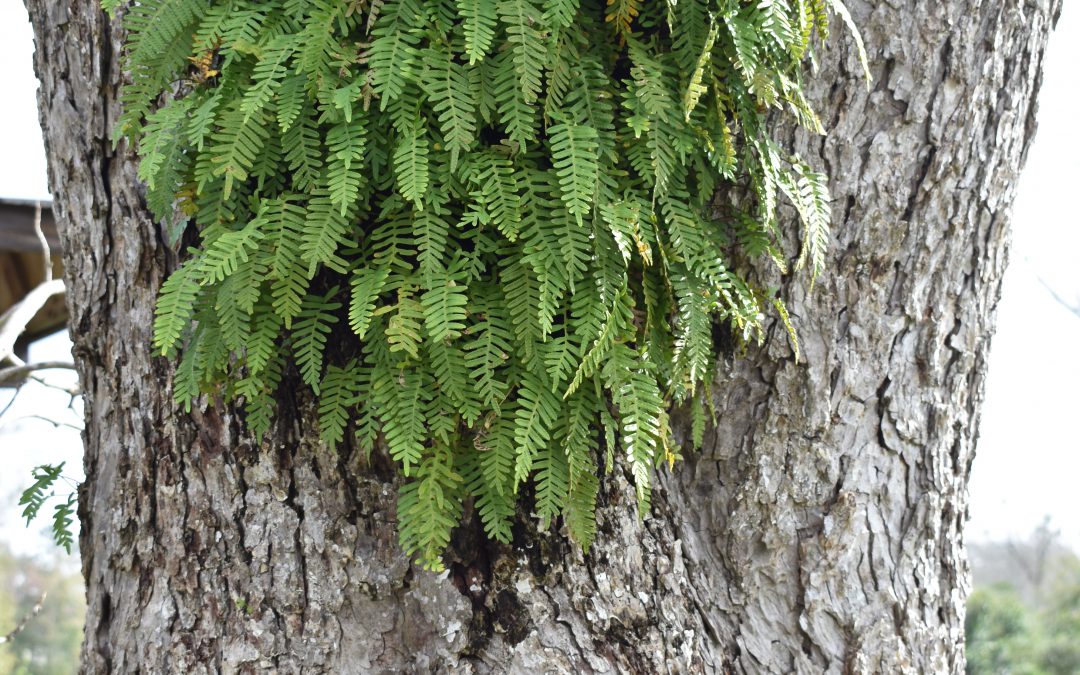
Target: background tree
x,y
819,529
1019,621
40,623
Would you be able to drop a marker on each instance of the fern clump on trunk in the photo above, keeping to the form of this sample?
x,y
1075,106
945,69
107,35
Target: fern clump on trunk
x,y
508,203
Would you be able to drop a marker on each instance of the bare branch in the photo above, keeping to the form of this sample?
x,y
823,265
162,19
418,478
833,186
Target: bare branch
x,y
42,418
1074,308
55,422
16,320
73,391
11,401
17,374
44,243
26,620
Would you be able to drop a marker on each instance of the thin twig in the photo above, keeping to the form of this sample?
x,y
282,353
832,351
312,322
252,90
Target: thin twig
x,y
11,402
44,243
53,422
26,620
73,392
16,374
1075,309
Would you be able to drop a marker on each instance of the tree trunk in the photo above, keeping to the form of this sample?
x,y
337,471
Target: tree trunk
x,y
819,531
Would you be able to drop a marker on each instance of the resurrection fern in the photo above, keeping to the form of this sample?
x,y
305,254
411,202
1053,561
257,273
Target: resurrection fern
x,y
34,497
483,232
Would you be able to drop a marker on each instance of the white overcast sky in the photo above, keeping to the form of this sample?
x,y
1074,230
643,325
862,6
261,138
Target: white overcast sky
x,y
1028,458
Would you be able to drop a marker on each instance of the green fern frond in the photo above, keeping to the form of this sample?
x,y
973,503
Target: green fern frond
x,y
580,445
615,327
552,483
575,158
286,221
636,395
485,355
63,518
411,166
453,99
268,75
237,145
500,193
478,24
403,333
345,167
325,232
310,333
393,54
160,140
536,415
367,284
234,304
494,504
429,508
693,334
402,398
774,19
186,387
201,123
745,40
560,13
304,153
529,54
341,388
175,307
655,117
228,250
291,98
262,341
697,86
34,497
259,406
161,35
444,308
452,377
517,117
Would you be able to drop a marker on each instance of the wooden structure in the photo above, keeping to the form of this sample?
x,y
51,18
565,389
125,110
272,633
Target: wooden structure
x,y
21,268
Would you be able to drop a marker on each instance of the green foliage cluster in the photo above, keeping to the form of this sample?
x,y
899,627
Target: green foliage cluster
x,y
1006,635
482,230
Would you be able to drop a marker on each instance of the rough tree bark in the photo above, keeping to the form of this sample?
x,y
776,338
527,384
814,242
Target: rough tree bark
x,y
819,531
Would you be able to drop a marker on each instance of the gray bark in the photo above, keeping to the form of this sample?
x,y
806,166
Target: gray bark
x,y
819,531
